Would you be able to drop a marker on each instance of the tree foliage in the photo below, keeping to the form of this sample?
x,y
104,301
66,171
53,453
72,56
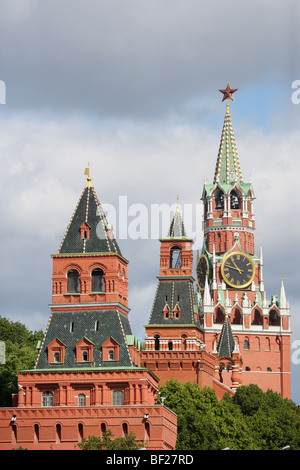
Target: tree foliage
x,y
250,420
20,345
108,443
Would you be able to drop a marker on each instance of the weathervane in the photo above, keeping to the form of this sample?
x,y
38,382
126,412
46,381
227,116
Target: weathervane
x,y
228,92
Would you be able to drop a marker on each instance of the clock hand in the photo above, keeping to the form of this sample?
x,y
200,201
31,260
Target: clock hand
x,y
232,267
239,270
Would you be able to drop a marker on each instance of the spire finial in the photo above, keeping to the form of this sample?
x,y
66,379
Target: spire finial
x,y
89,179
227,94
177,207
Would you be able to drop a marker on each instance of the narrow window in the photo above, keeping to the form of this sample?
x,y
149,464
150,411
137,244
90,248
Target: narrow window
x,y
84,355
73,281
81,399
97,280
175,257
71,327
125,429
219,197
110,355
246,344
170,345
147,431
80,431
58,433
234,200
156,342
56,357
36,433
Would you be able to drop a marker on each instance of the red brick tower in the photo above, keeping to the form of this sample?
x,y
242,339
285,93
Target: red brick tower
x,y
87,376
230,276
174,346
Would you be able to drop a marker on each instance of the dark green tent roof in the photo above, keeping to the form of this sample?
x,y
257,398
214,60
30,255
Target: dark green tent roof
x,y
172,293
100,240
96,327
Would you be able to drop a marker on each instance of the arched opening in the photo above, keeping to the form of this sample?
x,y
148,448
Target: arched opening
x,y
156,342
219,198
36,433
236,317
234,200
58,433
246,344
274,318
147,431
219,316
257,318
170,345
56,357
80,431
84,355
111,355
124,429
97,280
175,257
73,281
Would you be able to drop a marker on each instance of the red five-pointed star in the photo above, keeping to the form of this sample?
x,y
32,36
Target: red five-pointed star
x,y
228,92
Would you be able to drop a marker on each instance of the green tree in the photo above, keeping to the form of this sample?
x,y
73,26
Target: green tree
x,y
204,422
20,345
107,442
274,421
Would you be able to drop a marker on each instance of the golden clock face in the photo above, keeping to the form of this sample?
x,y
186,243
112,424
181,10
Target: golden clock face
x,y
202,271
238,270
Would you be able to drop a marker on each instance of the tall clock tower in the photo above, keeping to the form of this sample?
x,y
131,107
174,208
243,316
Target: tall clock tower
x,y
230,275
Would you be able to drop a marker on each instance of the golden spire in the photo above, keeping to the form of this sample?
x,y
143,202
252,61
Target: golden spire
x,y
89,179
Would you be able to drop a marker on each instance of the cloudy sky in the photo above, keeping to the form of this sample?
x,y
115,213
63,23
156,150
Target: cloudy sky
x,y
131,88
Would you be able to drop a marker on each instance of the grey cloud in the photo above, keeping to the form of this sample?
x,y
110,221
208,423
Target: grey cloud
x,y
136,58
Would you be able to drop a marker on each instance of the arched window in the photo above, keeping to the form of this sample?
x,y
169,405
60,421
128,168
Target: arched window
x,y
47,399
58,433
147,431
73,281
274,319
170,345
56,357
219,197
118,397
81,399
156,342
36,433
111,355
237,317
84,355
219,316
257,317
246,344
125,429
80,431
234,200
269,369
97,280
175,257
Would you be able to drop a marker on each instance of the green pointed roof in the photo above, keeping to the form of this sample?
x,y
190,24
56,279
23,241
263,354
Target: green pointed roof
x,y
176,295
90,212
226,343
228,168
